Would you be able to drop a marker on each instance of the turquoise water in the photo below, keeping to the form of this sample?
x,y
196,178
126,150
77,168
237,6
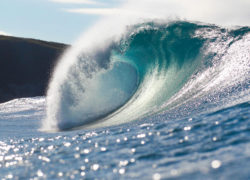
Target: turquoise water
x,y
166,101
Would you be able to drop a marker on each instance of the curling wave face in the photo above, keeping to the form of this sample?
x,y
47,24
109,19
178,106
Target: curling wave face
x,y
150,69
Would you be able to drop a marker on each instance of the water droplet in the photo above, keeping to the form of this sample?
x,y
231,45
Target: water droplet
x,y
122,171
215,164
103,149
9,176
95,167
77,156
50,147
85,151
67,144
187,128
39,173
132,160
41,139
141,135
123,163
156,176
60,174
43,158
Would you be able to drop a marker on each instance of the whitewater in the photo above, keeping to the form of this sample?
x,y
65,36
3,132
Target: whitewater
x,y
156,90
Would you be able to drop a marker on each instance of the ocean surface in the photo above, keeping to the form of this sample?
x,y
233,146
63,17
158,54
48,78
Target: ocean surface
x,y
161,101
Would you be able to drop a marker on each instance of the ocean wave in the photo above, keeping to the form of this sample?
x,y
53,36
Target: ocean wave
x,y
150,69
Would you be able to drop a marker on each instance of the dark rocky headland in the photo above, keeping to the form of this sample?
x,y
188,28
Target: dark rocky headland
x,y
26,66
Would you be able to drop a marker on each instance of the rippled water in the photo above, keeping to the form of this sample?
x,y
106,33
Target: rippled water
x,y
213,145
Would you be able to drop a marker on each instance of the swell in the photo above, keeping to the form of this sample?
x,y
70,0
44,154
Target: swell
x,y
151,68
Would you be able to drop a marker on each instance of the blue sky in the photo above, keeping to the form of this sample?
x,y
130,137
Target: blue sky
x,y
52,20
65,20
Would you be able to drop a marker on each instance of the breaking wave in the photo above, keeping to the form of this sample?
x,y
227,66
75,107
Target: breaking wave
x,y
153,68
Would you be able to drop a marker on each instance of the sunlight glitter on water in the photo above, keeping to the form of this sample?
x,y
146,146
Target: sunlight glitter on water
x,y
164,150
